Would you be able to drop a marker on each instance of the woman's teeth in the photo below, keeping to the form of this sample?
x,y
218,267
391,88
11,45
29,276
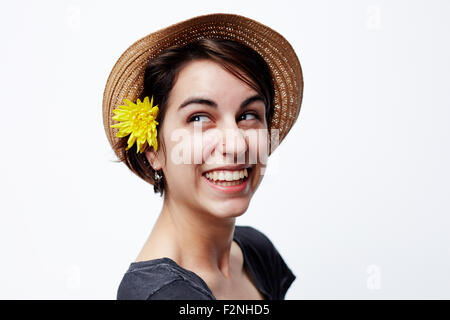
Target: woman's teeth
x,y
227,178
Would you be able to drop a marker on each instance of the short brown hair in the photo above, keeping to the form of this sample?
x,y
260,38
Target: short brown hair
x,y
160,75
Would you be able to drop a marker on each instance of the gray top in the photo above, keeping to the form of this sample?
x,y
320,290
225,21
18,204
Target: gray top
x,y
164,279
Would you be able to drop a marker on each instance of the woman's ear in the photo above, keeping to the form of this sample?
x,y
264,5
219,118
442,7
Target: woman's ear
x,y
154,158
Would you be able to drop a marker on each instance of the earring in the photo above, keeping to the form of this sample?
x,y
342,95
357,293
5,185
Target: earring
x,y
158,177
158,185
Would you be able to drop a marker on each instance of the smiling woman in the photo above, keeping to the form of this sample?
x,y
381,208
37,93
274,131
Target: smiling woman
x,y
159,79
224,88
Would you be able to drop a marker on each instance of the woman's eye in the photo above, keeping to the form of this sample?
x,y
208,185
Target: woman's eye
x,y
198,116
245,116
251,115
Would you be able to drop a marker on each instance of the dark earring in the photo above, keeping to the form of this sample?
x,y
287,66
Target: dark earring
x,y
157,187
158,176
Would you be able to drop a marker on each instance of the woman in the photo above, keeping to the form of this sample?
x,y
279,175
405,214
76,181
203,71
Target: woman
x,y
204,86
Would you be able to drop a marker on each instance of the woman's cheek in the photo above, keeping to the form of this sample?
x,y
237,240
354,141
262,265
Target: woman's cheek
x,y
257,143
181,147
263,146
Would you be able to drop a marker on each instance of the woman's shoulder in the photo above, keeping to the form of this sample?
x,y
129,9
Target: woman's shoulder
x,y
160,279
266,261
253,239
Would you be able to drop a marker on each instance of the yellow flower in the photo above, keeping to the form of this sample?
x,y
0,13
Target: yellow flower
x,y
139,120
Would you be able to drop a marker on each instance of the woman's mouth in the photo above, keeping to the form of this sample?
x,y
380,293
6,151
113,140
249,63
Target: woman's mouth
x,y
228,181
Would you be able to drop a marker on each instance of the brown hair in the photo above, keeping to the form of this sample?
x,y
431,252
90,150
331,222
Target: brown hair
x,y
161,73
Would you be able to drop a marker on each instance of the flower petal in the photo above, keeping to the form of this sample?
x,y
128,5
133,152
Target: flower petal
x,y
129,103
131,139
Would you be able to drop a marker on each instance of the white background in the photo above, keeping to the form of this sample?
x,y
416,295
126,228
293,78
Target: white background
x,y
358,199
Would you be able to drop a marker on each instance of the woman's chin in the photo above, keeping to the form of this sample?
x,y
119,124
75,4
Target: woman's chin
x,y
227,208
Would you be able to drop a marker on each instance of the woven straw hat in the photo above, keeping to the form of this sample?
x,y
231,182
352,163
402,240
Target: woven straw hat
x,y
127,76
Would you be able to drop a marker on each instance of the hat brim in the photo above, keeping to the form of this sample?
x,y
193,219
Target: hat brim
x,y
127,76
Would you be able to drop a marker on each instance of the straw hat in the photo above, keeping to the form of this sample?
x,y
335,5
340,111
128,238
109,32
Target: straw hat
x,y
127,76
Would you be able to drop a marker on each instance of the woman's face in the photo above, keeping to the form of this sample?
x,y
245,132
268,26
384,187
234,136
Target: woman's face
x,y
219,135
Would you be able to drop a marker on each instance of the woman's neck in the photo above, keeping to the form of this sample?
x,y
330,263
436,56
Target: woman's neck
x,y
193,239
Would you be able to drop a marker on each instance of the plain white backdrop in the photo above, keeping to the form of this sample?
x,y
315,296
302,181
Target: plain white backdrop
x,y
357,201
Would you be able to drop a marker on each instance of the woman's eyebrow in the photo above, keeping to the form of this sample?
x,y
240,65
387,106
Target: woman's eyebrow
x,y
212,104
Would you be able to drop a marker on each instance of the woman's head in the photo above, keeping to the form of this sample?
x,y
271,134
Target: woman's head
x,y
224,75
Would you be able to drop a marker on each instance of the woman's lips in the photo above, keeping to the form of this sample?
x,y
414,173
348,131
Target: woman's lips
x,y
230,189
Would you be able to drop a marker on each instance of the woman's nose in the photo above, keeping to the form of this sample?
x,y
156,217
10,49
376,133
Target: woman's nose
x,y
233,141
